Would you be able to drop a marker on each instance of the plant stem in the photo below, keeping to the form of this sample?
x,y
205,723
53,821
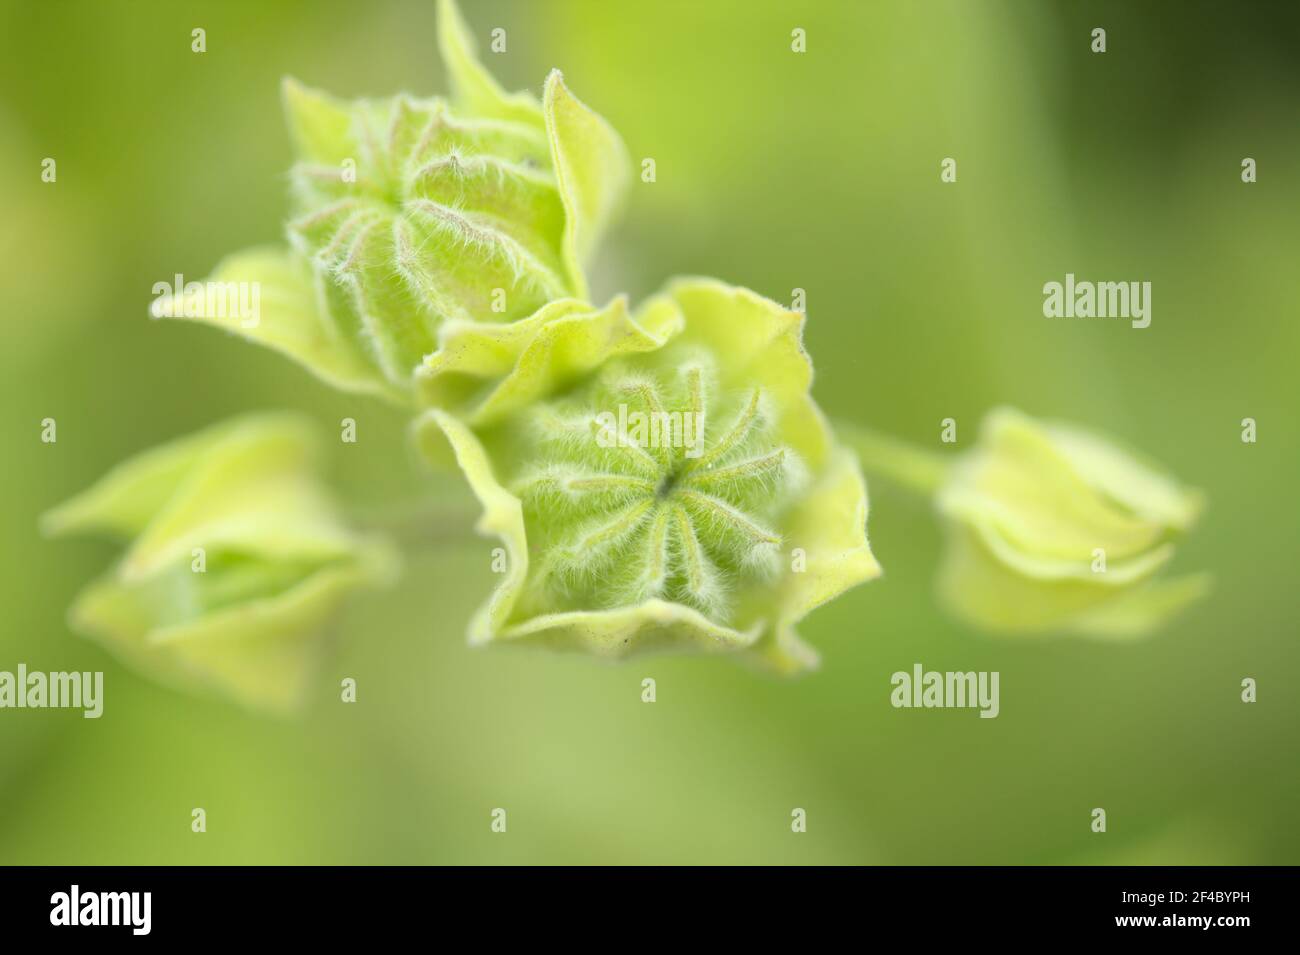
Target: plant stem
x,y
882,455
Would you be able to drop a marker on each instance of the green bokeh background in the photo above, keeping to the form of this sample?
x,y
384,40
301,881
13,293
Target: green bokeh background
x,y
776,171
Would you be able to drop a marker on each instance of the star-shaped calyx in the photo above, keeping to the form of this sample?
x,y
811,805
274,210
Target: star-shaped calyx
x,y
657,486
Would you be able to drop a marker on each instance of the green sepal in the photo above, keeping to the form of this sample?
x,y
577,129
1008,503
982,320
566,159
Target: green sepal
x,y
237,560
750,343
1054,528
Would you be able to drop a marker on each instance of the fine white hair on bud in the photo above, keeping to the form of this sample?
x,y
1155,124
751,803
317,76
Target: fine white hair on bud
x,y
652,482
435,210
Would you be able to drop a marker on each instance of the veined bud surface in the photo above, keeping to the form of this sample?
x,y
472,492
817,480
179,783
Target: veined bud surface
x,y
657,501
411,212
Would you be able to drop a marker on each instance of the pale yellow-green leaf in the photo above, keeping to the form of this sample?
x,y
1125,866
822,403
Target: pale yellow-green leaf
x,y
485,372
473,87
1018,482
268,650
1126,478
238,559
319,124
240,485
125,500
261,653
1139,611
288,319
592,169
983,588
829,526
758,342
1051,528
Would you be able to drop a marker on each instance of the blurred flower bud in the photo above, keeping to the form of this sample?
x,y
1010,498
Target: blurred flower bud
x,y
679,490
237,561
1053,528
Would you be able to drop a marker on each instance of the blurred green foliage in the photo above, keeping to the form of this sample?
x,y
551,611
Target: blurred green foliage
x,y
774,170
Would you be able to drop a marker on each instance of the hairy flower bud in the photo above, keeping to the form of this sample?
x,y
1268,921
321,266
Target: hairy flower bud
x,y
408,213
680,491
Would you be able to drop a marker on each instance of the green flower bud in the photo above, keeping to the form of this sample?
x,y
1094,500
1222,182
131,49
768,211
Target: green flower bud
x,y
409,213
1053,528
236,564
676,489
